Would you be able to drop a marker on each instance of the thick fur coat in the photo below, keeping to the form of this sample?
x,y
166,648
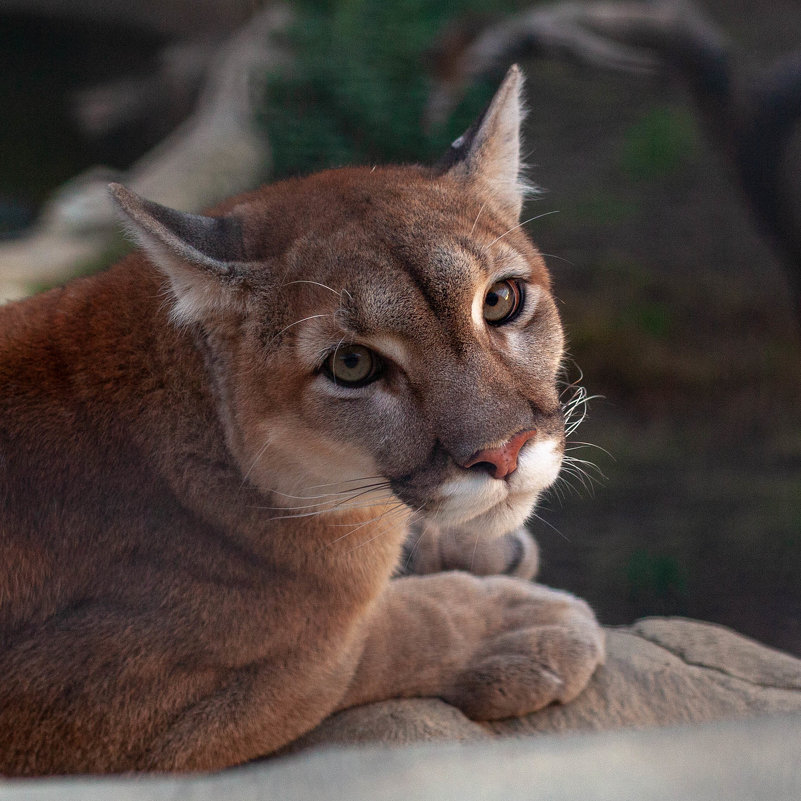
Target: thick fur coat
x,y
210,455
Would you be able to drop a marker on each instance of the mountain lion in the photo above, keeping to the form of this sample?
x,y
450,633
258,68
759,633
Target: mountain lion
x,y
210,455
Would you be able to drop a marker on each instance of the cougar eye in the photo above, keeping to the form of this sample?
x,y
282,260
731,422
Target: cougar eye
x,y
352,366
503,301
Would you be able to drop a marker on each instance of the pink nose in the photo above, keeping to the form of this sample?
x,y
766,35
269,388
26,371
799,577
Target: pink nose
x,y
502,461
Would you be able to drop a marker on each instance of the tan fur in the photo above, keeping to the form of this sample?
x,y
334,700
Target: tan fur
x,y
429,549
195,551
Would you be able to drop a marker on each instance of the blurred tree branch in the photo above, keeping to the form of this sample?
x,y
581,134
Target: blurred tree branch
x,y
752,118
218,151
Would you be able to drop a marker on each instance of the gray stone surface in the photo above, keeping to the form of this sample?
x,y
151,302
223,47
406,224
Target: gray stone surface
x,y
396,722
756,759
659,673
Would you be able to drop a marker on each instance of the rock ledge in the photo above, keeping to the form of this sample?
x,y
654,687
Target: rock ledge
x,y
660,672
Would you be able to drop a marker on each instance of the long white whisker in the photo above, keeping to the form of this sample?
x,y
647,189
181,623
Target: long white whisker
x,y
325,506
416,543
582,479
554,256
362,525
577,446
576,461
328,506
346,481
297,322
321,512
324,286
562,481
383,530
389,511
525,222
557,490
375,485
475,549
584,399
475,222
255,460
579,472
550,525
590,477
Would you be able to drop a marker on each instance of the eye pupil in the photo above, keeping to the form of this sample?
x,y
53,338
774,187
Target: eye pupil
x,y
352,366
502,301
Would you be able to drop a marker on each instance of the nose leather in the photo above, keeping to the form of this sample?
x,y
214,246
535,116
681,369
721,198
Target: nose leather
x,y
502,461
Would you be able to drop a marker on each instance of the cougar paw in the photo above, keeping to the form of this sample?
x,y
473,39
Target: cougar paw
x,y
543,647
430,549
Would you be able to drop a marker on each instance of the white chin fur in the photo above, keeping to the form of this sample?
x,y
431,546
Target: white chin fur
x,y
479,504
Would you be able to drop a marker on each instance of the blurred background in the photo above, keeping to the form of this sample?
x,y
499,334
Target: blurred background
x,y
653,130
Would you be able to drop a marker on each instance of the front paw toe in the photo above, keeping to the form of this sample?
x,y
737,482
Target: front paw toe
x,y
547,651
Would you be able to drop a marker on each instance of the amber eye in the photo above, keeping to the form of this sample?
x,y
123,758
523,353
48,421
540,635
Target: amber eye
x,y
352,366
503,301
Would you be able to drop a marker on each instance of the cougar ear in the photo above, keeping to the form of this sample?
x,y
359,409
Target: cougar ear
x,y
202,256
489,151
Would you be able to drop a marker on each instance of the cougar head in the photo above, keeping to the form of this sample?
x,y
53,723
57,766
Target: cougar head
x,y
379,330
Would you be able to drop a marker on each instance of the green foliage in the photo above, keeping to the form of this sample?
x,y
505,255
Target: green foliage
x,y
604,209
652,318
656,581
662,142
357,90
